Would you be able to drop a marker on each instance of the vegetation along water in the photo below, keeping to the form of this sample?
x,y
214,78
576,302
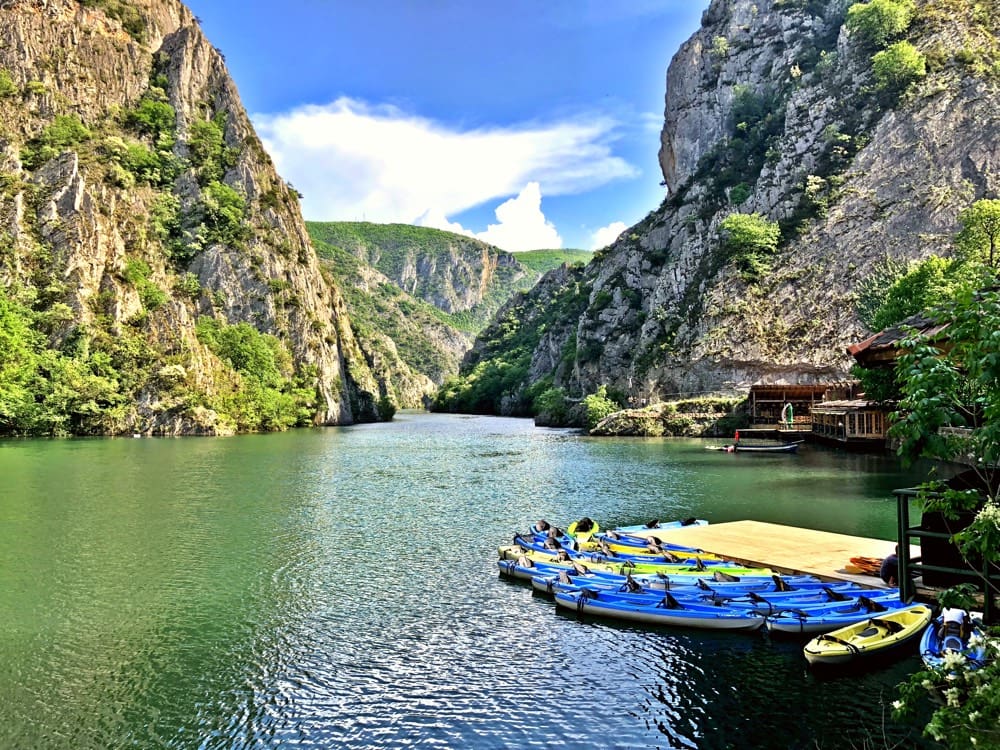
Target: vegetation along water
x,y
337,587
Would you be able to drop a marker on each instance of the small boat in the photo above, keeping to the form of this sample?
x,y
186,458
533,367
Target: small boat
x,y
937,642
583,529
760,448
653,525
795,620
658,611
597,550
622,566
876,635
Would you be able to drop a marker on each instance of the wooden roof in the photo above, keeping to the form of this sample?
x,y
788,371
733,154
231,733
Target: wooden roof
x,y
883,347
794,390
842,407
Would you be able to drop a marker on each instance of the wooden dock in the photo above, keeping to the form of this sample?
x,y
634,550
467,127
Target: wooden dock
x,y
784,549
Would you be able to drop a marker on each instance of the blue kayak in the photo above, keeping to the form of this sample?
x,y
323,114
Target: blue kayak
x,y
937,647
794,620
664,611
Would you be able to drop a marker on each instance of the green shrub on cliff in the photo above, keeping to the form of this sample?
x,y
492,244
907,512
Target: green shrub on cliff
x,y
898,66
750,240
269,396
878,21
7,85
63,132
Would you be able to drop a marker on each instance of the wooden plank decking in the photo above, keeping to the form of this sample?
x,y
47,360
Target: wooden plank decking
x,y
785,549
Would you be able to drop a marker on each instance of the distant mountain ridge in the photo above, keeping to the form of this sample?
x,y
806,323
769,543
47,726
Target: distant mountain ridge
x,y
416,296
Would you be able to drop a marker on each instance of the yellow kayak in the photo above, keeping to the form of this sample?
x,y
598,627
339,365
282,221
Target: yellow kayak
x,y
876,635
583,529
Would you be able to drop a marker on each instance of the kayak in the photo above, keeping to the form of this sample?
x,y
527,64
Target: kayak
x,y
524,567
803,620
817,601
515,552
876,635
599,551
635,544
938,647
652,526
663,611
762,585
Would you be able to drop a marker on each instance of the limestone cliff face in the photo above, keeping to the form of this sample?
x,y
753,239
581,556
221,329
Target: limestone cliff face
x,y
771,108
456,274
223,226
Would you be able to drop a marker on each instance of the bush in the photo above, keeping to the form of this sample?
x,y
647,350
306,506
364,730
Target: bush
x,y
153,117
7,85
597,406
750,239
386,409
879,21
64,131
550,407
898,66
223,211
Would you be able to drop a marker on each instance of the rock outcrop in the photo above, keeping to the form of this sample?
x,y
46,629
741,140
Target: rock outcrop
x,y
129,171
772,108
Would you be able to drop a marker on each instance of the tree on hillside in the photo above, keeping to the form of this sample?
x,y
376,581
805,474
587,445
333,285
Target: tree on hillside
x,y
750,239
980,229
897,66
925,285
879,21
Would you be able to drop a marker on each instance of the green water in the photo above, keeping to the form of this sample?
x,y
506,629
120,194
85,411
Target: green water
x,y
338,588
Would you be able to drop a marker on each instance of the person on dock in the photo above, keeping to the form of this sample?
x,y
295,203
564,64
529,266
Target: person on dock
x,y
889,570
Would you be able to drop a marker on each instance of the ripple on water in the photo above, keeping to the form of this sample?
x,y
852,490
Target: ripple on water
x,y
338,588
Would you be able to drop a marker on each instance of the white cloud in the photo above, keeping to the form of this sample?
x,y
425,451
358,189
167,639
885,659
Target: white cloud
x,y
606,235
521,224
355,161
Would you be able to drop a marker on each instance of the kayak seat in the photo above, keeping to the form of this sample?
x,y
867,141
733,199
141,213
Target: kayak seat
x,y
891,626
952,643
869,632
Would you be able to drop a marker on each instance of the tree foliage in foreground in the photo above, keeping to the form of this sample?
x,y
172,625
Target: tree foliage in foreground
x,y
958,385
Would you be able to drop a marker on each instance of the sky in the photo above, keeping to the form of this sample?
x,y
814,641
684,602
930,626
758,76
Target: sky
x,y
526,123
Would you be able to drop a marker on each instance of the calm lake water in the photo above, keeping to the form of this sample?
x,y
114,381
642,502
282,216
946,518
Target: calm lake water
x,y
337,588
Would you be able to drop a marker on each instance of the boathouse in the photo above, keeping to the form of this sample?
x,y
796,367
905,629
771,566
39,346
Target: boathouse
x,y
770,404
856,424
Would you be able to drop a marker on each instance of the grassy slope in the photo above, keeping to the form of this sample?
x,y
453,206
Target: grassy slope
x,y
541,261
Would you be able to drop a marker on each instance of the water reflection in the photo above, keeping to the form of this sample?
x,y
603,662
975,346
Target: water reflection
x,y
337,588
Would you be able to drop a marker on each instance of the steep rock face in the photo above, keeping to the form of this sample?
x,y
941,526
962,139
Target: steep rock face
x,y
771,108
456,274
78,224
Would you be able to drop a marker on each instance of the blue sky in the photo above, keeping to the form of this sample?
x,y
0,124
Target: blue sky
x,y
528,123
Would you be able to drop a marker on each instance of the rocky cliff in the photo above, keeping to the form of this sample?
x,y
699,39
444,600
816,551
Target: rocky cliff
x,y
141,220
772,108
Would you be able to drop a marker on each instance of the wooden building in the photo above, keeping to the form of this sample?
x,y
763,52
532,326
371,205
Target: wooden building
x,y
855,424
768,402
